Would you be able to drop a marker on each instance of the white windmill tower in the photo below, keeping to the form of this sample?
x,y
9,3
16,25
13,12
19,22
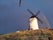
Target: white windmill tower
x,y
34,20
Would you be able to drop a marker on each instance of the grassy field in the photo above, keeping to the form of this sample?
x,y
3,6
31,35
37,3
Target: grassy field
x,y
41,34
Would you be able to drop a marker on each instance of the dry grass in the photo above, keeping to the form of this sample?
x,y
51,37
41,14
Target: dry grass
x,y
27,34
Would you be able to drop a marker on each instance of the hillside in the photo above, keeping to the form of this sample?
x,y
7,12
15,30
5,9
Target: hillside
x,y
41,34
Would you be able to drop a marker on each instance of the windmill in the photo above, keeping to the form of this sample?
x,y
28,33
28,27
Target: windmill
x,y
34,20
19,3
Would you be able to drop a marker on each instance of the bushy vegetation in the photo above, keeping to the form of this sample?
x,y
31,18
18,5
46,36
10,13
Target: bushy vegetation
x,y
28,35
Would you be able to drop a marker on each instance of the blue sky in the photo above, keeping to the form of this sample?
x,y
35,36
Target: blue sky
x,y
13,17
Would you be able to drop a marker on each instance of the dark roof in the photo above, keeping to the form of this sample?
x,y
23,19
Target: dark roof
x,y
32,16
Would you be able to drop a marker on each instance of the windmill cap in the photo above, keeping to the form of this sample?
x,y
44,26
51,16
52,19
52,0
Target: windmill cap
x,y
32,16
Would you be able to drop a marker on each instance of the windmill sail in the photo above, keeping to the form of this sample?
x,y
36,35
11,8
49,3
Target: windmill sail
x,y
39,20
45,21
30,12
37,13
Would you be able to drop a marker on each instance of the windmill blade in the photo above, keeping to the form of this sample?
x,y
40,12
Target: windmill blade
x,y
30,11
39,20
19,3
37,12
